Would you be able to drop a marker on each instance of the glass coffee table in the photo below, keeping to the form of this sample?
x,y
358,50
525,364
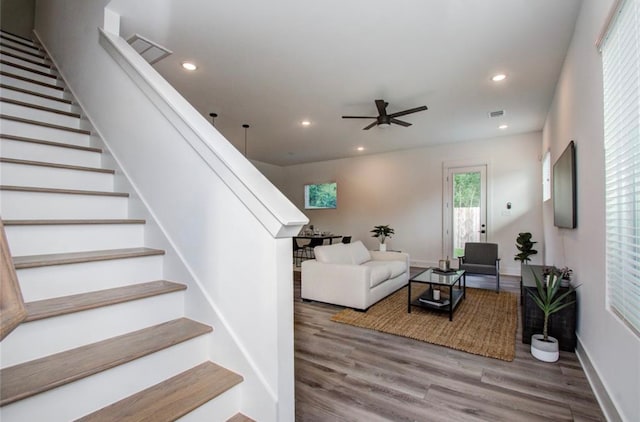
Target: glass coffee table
x,y
444,281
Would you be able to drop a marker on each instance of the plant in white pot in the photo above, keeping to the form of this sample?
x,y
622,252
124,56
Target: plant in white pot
x,y
543,346
382,233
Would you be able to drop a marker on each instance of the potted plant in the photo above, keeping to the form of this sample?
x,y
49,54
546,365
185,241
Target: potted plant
x,y
525,246
382,232
543,346
565,276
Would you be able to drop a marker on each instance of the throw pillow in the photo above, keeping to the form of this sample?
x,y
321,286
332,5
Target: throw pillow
x,y
359,253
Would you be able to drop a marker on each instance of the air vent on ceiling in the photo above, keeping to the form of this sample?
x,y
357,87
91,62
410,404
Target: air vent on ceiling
x,y
497,113
152,52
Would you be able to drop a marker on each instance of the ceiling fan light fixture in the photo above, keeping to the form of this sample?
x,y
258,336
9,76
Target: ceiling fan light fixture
x,y
384,125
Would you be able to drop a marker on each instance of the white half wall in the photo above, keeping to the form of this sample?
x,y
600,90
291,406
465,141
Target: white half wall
x,y
577,114
404,189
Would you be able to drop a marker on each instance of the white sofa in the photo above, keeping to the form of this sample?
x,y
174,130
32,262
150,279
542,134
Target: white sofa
x,y
352,276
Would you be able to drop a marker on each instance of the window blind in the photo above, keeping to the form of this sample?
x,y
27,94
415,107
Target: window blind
x,y
621,81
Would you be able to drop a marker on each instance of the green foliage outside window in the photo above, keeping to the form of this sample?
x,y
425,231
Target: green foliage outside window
x,y
466,190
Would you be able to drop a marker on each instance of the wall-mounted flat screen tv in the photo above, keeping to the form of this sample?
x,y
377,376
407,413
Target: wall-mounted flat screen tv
x,y
320,196
564,189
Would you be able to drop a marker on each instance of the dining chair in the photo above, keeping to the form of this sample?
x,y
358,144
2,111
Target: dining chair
x,y
308,248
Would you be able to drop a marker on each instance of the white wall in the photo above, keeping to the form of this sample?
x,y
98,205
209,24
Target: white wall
x,y
404,189
576,114
17,16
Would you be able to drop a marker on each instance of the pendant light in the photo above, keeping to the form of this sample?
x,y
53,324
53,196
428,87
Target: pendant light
x,y
245,126
213,118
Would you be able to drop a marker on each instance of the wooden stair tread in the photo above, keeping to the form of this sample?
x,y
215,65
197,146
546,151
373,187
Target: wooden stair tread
x,y
33,81
55,165
34,377
48,308
33,62
35,222
49,143
12,37
239,417
39,107
27,49
38,94
62,191
28,69
32,261
48,125
170,399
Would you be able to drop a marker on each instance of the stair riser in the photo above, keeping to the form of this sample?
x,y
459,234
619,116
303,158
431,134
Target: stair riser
x,y
45,90
22,52
37,100
74,330
29,63
39,115
50,177
18,43
26,205
61,280
10,36
28,130
223,407
36,240
52,154
31,75
99,390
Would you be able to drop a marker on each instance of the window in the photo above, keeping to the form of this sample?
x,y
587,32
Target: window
x,y
621,81
546,176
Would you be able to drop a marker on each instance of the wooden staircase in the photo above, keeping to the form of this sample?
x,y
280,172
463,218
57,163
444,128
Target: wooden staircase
x,y
105,336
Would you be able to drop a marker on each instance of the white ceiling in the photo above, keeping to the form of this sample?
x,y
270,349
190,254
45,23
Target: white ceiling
x,y
272,64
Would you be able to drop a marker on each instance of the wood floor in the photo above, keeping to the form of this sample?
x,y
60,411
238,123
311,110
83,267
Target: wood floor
x,y
346,373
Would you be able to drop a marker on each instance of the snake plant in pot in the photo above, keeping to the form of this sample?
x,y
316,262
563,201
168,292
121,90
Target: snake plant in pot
x,y
548,299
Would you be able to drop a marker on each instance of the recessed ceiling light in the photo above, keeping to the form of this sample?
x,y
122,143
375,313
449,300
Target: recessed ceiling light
x,y
189,66
499,77
503,127
360,148
305,123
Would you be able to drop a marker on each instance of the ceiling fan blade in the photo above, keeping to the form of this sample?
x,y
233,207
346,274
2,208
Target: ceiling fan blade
x,y
399,122
359,117
411,110
370,126
382,107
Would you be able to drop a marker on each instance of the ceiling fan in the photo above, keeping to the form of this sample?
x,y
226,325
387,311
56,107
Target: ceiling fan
x,y
383,119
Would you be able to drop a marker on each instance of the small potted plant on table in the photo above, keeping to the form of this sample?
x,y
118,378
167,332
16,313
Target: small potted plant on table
x,y
543,346
382,232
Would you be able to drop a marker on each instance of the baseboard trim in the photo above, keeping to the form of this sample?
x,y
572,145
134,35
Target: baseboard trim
x,y
600,391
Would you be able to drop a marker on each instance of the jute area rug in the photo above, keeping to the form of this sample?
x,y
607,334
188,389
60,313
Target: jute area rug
x,y
484,323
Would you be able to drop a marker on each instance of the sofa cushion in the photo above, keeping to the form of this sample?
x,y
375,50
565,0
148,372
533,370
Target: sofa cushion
x,y
396,268
332,254
359,253
379,272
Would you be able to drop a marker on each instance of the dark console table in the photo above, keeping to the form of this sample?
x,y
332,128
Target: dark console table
x,y
562,324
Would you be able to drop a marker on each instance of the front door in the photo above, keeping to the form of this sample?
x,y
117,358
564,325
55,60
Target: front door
x,y
465,214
